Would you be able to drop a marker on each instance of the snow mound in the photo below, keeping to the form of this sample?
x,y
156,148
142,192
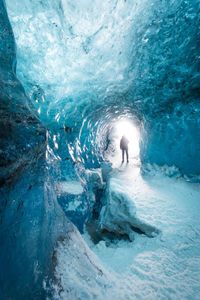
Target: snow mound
x,y
118,215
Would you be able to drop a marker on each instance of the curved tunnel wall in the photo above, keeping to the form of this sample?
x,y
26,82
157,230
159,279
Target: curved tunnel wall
x,y
141,60
31,220
174,141
139,53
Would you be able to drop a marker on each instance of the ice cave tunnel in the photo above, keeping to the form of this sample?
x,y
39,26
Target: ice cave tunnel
x,y
76,223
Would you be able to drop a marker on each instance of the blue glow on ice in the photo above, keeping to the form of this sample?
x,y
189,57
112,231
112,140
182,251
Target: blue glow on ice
x,y
70,73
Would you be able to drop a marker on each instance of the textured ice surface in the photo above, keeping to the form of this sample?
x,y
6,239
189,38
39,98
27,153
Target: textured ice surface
x,y
85,65
164,267
30,218
167,266
79,273
118,215
69,187
99,60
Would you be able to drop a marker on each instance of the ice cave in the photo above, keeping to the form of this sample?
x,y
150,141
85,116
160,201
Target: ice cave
x,y
75,222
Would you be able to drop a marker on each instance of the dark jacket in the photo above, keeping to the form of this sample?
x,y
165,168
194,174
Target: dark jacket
x,y
124,143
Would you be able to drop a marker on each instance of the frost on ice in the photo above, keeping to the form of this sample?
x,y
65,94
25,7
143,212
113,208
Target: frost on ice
x,y
69,72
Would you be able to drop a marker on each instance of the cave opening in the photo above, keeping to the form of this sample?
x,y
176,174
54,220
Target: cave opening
x,y
124,127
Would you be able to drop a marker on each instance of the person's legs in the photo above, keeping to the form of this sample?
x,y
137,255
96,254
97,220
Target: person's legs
x,y
127,155
122,155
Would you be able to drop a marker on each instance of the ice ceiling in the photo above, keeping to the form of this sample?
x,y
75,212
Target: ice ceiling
x,y
70,71
88,59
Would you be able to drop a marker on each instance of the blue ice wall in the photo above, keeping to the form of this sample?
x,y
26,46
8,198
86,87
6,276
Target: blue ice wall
x,y
31,220
174,140
83,65
76,59
169,85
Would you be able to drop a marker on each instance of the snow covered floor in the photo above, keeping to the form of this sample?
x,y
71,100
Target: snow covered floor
x,y
164,267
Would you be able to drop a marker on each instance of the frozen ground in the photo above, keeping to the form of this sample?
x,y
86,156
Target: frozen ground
x,y
164,267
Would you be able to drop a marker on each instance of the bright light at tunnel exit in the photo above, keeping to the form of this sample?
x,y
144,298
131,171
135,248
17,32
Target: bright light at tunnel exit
x,y
130,131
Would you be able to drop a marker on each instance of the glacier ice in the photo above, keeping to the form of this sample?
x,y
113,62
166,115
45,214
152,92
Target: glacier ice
x,y
30,218
132,56
118,215
68,73
168,265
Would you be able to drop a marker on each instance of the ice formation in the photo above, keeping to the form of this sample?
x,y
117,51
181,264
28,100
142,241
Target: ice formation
x,y
69,72
118,215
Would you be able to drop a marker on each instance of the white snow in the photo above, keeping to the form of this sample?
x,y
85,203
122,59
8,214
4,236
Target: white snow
x,y
164,267
69,187
118,215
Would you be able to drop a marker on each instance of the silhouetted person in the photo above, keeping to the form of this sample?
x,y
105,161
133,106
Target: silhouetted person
x,y
124,147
